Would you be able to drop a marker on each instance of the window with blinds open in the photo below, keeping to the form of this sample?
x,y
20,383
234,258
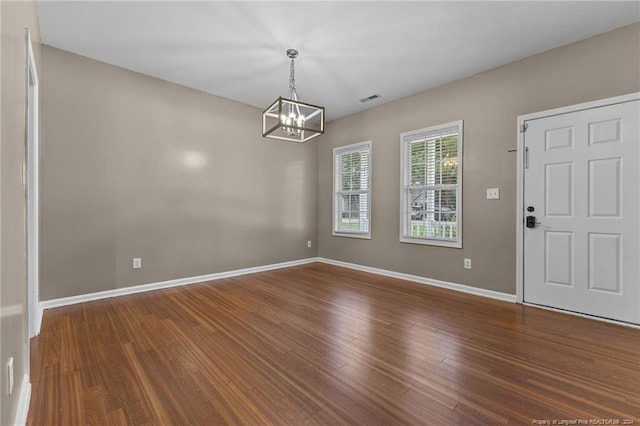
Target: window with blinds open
x,y
352,190
431,199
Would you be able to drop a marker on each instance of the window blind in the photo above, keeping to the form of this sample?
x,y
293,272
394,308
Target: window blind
x,y
431,185
352,197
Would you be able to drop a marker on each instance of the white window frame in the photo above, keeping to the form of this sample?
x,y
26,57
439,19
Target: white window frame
x,y
405,213
340,150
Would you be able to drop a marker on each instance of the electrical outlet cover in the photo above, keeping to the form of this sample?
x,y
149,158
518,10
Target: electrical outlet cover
x,y
493,193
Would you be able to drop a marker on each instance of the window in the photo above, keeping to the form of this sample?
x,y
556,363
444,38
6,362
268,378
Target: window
x,y
431,198
352,190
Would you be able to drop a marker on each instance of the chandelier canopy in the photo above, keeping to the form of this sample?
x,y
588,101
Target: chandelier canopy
x,y
288,118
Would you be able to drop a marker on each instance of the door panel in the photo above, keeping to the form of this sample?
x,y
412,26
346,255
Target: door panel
x,y
605,262
558,263
559,190
583,183
605,188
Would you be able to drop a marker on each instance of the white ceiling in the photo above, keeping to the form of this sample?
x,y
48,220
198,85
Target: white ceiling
x,y
348,50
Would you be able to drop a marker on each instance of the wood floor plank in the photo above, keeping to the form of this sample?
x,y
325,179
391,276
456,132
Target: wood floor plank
x,y
319,344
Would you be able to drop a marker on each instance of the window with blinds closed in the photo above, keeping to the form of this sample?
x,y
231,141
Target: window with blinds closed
x,y
431,198
352,190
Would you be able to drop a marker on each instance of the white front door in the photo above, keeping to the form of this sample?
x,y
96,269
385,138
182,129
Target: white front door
x,y
581,198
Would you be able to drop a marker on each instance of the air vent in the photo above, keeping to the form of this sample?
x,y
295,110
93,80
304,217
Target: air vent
x,y
369,98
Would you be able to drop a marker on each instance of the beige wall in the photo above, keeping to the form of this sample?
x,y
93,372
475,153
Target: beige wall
x,y
15,16
134,166
489,103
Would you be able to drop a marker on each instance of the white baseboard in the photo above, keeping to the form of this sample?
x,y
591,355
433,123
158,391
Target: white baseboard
x,y
422,280
23,402
38,320
65,301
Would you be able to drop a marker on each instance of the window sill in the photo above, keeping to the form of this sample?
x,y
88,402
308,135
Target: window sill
x,y
352,235
427,242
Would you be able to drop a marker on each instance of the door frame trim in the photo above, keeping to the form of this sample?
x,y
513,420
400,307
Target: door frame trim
x,y
32,190
522,120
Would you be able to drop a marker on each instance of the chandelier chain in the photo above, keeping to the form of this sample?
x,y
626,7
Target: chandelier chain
x,y
292,81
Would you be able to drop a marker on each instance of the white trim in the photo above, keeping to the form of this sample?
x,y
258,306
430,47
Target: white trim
x,y
361,236
23,402
459,124
65,301
352,147
431,242
33,189
578,314
522,120
506,297
580,107
520,213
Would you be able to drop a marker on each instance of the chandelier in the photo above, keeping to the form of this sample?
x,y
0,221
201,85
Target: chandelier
x,y
288,118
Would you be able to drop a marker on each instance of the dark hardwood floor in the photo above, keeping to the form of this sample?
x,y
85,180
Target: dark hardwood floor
x,y
319,344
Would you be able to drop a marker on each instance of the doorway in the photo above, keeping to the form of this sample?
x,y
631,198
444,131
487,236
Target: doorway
x,y
579,208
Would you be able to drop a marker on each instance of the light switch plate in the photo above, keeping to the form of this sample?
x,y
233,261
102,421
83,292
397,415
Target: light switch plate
x,y
493,193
